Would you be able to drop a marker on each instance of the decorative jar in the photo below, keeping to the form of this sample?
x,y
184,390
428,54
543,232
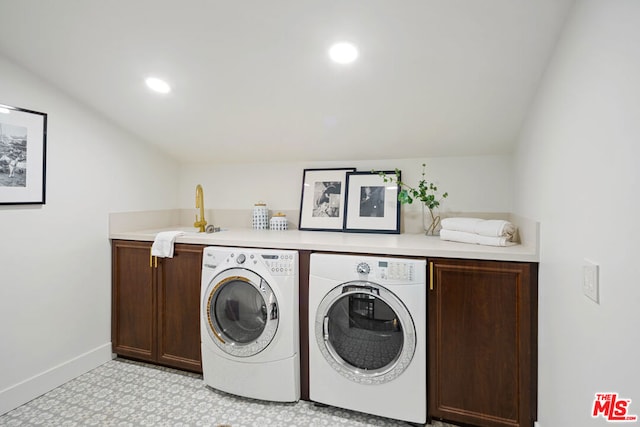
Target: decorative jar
x,y
260,216
278,222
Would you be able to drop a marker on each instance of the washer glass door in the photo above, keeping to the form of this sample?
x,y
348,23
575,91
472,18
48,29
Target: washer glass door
x,y
241,312
365,332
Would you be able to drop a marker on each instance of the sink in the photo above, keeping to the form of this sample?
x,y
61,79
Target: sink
x,y
189,230
194,230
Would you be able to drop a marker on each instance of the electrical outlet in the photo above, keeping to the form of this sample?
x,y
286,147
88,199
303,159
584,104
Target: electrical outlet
x,y
590,285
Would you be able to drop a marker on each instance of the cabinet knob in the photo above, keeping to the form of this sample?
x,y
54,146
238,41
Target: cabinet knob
x,y
431,275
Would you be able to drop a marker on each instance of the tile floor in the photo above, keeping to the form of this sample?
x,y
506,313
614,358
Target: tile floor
x,y
126,393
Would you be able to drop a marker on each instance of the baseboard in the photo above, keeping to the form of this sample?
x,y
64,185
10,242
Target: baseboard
x,y
27,390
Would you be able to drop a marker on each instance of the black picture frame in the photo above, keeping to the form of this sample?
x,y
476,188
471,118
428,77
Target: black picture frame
x,y
23,156
322,199
372,205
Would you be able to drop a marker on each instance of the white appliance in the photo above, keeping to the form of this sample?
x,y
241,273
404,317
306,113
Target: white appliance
x,y
249,322
367,335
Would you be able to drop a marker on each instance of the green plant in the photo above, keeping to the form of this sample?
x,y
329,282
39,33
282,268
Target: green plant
x,y
426,191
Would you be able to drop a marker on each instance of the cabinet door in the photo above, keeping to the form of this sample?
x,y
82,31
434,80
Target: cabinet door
x,y
133,300
482,333
179,308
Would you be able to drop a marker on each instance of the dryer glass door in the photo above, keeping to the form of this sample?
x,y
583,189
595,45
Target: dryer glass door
x,y
242,312
365,332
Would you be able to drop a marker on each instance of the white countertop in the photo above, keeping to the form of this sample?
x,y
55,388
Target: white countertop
x,y
384,244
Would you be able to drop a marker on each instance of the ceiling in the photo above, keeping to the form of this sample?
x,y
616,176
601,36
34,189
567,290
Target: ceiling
x,y
252,81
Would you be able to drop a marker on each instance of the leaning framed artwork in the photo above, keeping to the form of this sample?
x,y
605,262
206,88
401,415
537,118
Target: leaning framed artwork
x,y
23,147
322,199
372,205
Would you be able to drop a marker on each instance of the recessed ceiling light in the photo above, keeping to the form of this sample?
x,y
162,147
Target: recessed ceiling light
x,y
158,85
343,53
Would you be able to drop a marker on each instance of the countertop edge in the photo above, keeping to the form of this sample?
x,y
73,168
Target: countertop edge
x,y
382,244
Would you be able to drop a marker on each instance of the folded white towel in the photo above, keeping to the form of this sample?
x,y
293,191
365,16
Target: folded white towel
x,y
483,227
460,224
464,237
163,244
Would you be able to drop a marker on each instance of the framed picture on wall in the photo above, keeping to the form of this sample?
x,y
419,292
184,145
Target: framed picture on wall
x,y
372,205
322,200
23,138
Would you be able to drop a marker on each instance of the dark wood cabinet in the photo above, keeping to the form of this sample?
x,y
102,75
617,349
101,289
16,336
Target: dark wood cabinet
x,y
156,304
482,342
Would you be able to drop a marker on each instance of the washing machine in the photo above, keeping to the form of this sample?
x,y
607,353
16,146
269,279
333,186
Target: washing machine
x,y
250,323
367,335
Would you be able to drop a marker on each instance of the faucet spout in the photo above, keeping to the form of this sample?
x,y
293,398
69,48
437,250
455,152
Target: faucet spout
x,y
200,223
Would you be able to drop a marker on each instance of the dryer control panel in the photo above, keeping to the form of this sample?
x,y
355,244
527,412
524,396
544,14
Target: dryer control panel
x,y
393,270
387,270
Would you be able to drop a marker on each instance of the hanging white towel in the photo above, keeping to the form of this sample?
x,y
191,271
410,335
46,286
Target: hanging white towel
x,y
483,227
464,237
163,244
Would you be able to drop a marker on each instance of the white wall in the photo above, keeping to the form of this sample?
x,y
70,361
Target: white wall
x,y
474,184
578,173
55,288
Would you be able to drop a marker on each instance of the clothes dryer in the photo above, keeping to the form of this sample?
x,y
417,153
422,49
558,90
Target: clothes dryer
x,y
249,322
367,335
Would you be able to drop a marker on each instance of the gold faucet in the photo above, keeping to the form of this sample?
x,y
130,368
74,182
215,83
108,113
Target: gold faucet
x,y
200,223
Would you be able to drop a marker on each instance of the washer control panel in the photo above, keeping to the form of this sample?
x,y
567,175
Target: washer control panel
x,y
280,264
211,259
277,263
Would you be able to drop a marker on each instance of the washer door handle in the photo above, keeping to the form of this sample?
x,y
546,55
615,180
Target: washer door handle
x,y
325,328
274,311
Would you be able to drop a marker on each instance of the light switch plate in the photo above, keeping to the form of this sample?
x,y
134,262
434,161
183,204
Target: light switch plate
x,y
590,282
